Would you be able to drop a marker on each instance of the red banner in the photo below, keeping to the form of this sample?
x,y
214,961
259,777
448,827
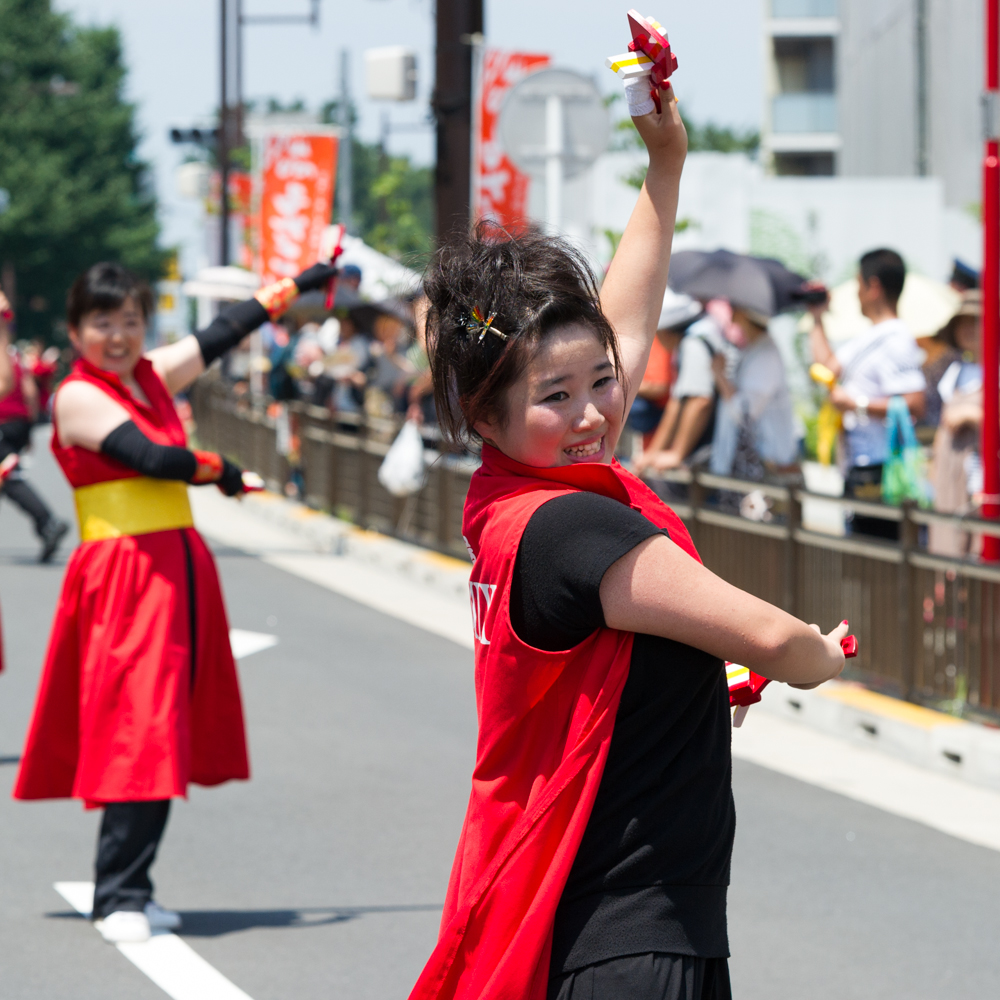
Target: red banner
x,y
501,190
296,201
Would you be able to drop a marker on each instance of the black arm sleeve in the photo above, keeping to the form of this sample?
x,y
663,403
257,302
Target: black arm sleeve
x,y
567,547
128,445
229,328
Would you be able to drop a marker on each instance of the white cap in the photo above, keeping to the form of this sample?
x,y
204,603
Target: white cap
x,y
677,310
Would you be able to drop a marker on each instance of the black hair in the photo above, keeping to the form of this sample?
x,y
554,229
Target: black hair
x,y
888,267
530,283
106,286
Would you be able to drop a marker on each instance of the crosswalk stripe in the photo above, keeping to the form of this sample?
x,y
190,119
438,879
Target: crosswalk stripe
x,y
167,960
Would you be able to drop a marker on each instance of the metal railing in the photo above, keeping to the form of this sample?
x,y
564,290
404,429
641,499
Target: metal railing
x,y
928,625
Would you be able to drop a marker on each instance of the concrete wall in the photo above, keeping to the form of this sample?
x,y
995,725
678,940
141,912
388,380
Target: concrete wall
x,y
876,85
877,88
955,34
817,225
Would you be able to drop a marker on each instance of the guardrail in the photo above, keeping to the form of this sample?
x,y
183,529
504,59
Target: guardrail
x,y
928,625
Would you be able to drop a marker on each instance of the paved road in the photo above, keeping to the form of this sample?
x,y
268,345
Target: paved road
x,y
323,876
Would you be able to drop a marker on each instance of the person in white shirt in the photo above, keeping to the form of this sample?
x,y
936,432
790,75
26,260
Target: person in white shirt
x,y
757,398
878,364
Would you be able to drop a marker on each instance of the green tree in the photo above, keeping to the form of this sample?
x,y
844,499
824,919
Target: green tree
x,y
393,200
78,191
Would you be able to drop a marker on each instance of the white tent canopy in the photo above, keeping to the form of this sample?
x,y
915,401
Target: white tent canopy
x,y
381,276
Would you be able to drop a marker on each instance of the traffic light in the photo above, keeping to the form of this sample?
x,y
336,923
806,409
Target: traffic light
x,y
195,136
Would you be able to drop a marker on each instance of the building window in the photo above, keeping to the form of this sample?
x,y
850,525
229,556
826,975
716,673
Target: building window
x,y
804,164
805,65
803,8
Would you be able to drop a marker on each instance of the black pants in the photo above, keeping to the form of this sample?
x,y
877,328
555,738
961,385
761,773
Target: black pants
x,y
864,482
126,847
15,436
652,976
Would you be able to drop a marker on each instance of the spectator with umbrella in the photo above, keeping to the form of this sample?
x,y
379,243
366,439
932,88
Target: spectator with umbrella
x,y
754,427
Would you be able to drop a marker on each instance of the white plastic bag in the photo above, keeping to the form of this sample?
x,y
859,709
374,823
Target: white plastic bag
x,y
402,470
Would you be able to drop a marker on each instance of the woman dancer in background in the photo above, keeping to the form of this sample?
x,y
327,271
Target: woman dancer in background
x,y
139,695
594,860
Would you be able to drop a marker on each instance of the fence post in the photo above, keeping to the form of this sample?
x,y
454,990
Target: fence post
x,y
696,498
908,529
444,475
364,487
794,519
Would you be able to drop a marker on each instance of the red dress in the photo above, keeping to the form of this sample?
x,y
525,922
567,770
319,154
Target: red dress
x,y
129,707
545,726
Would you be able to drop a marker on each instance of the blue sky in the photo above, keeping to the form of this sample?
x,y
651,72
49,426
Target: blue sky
x,y
171,51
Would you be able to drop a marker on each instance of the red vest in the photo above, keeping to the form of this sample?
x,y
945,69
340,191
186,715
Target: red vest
x,y
13,406
545,726
158,421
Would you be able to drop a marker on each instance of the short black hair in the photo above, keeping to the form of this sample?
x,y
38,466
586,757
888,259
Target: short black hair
x,y
530,284
106,286
888,267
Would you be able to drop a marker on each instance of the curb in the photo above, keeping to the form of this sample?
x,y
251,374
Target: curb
x,y
331,536
920,736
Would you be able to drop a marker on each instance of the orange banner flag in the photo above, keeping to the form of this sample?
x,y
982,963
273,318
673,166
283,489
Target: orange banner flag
x,y
296,201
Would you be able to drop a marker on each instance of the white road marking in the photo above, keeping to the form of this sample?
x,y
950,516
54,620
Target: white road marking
x,y
247,643
941,802
167,960
392,594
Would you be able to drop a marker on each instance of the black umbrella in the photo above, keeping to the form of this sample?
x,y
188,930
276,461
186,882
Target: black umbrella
x,y
762,284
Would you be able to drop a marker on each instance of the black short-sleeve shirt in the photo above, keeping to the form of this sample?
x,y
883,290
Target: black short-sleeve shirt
x,y
652,870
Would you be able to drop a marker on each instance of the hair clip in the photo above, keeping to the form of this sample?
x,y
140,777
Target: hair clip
x,y
483,326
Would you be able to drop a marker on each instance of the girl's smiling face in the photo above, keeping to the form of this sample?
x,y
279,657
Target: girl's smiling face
x,y
112,339
566,407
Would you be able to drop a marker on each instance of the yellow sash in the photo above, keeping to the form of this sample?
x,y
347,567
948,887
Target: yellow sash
x,y
136,506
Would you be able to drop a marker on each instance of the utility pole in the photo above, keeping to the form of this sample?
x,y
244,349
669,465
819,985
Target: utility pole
x,y
345,189
222,149
990,445
459,26
231,24
923,111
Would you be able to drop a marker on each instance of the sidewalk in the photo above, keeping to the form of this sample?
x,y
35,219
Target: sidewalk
x,y
902,758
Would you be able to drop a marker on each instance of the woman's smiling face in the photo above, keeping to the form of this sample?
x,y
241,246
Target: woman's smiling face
x,y
112,339
566,407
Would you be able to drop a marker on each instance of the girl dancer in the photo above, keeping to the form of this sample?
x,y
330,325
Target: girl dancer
x,y
139,694
594,859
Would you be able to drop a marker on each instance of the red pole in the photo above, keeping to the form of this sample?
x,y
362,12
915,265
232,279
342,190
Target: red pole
x,y
991,287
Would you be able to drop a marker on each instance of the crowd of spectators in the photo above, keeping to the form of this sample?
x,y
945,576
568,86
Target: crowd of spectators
x,y
728,408
368,357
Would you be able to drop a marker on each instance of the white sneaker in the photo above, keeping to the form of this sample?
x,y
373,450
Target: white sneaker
x,y
124,927
161,919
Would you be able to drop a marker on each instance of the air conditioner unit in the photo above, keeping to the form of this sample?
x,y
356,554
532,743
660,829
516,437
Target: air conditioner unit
x,y
391,73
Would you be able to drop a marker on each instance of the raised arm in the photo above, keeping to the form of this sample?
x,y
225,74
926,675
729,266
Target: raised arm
x,y
658,589
179,364
632,294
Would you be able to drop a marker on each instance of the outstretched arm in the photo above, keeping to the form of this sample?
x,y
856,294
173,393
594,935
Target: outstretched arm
x,y
179,364
658,589
632,294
